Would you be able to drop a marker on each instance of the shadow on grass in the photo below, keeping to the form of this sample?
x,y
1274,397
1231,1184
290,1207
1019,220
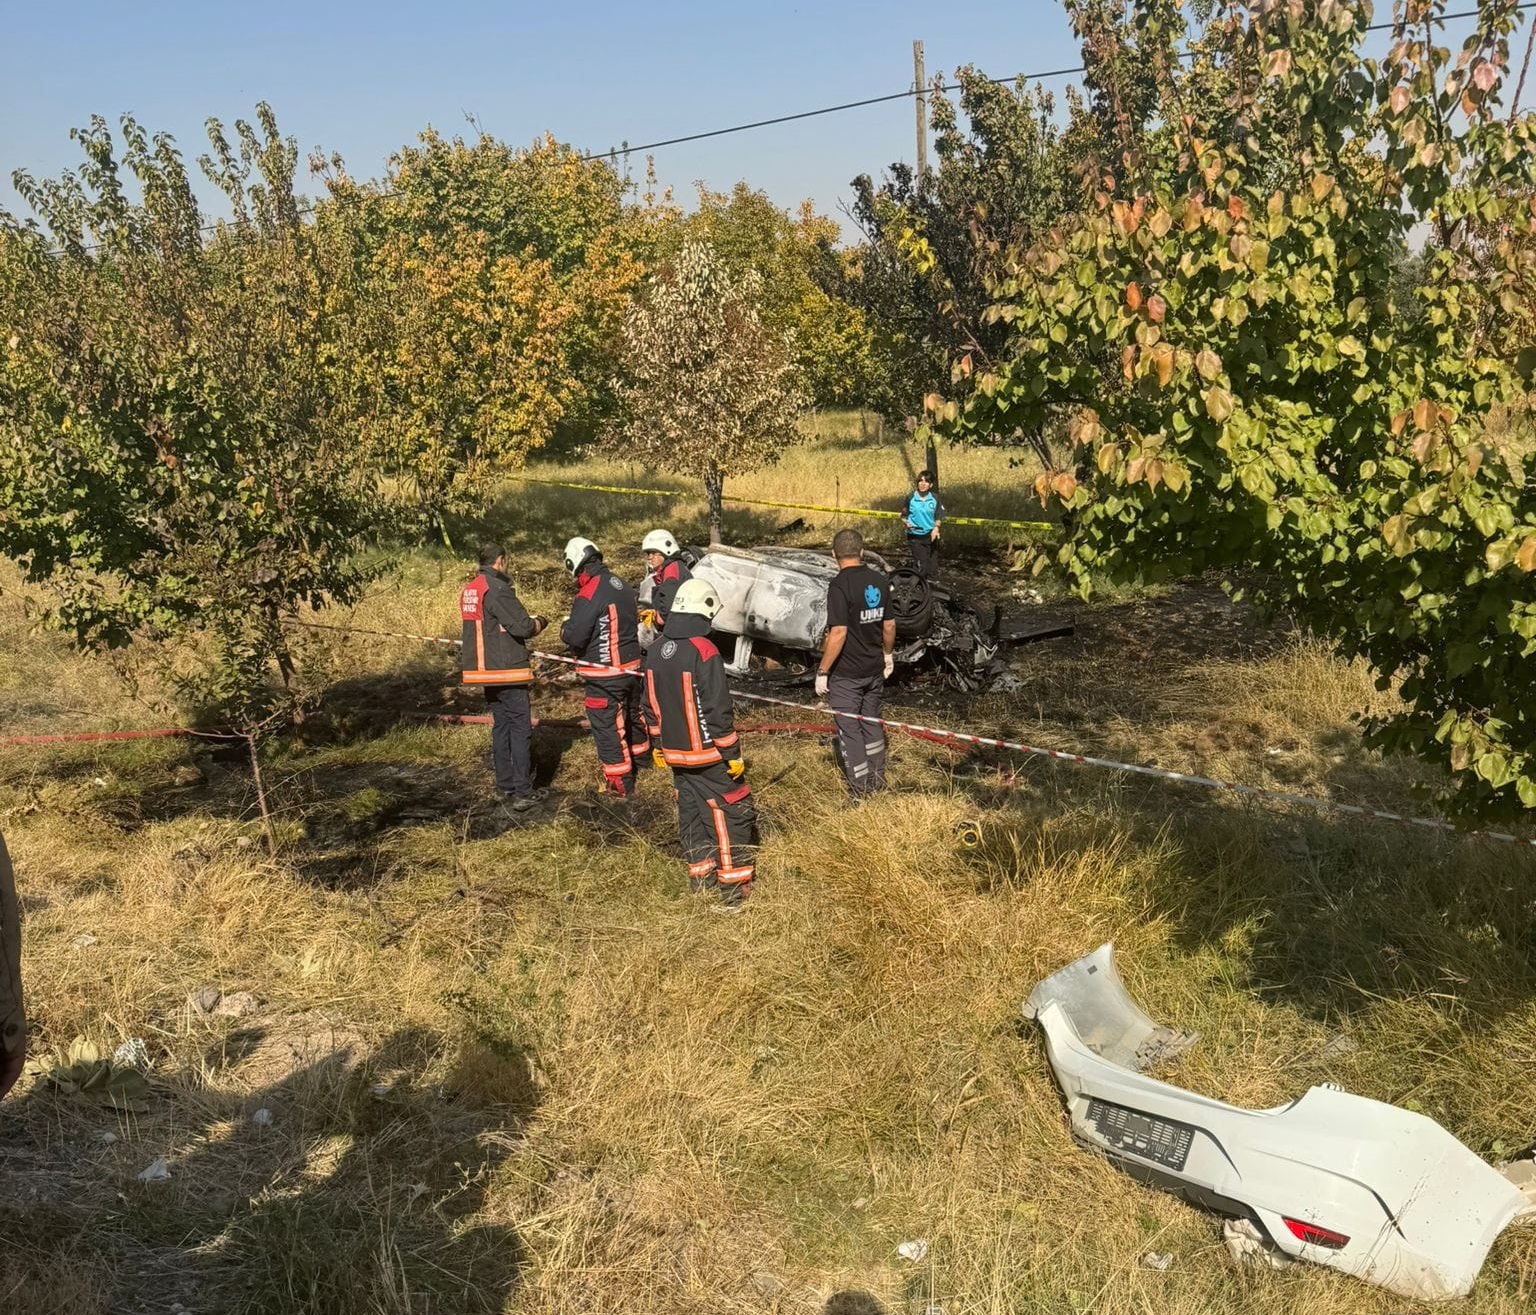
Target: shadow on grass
x,y
1329,914
360,773
364,1192
853,1301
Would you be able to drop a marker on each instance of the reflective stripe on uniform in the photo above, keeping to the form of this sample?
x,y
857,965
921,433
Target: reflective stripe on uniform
x,y
693,712
687,758
505,676
722,834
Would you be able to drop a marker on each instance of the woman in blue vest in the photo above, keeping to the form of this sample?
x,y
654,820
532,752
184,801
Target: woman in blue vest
x,y
921,515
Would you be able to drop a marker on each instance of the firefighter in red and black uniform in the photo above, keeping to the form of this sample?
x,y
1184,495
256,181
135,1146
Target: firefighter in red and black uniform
x,y
668,572
497,629
688,707
602,632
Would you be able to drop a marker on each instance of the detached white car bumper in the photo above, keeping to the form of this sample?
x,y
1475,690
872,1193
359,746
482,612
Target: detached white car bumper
x,y
1367,1188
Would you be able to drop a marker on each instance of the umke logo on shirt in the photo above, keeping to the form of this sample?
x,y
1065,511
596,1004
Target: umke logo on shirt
x,y
873,611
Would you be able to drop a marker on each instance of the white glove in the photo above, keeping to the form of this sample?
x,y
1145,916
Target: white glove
x,y
890,664
821,684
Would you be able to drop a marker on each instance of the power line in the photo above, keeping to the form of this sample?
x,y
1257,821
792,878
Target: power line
x,y
915,91
856,105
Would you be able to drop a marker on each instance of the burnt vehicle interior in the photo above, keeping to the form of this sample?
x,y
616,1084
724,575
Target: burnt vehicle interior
x,y
773,616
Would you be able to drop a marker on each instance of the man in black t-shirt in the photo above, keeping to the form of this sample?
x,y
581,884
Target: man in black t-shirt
x,y
855,660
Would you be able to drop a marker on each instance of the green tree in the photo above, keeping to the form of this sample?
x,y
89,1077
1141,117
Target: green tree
x,y
1003,177
169,459
801,273
511,269
1285,403
707,388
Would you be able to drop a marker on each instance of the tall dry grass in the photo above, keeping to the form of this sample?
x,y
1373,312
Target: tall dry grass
x,y
530,1074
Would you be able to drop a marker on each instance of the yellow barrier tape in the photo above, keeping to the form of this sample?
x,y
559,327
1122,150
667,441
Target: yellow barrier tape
x,y
785,506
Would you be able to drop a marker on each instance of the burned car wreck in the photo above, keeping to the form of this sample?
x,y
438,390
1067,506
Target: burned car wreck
x,y
1336,1179
774,602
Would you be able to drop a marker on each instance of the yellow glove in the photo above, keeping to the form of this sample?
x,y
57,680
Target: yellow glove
x,y
659,758
648,617
737,768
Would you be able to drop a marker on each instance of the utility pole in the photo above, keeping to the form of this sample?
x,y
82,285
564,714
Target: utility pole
x,y
920,83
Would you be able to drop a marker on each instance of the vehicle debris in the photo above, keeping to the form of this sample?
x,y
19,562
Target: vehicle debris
x,y
775,599
157,1172
1246,1245
1369,1189
133,1053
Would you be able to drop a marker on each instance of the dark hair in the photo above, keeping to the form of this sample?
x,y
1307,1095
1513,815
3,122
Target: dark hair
x,y
925,474
846,544
491,553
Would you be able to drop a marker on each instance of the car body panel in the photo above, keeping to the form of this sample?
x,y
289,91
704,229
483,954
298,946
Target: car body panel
x,y
1418,1211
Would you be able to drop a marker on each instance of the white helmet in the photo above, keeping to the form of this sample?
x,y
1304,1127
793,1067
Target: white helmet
x,y
696,597
659,541
578,551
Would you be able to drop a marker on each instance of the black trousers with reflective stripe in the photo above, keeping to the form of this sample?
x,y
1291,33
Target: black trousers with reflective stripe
x,y
718,824
618,730
860,744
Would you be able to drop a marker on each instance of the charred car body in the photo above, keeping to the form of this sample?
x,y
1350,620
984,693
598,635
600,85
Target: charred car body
x,y
774,601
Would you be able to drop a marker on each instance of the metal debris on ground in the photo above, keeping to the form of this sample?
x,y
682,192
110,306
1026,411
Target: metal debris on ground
x,y
1158,1260
133,1053
157,1172
916,1250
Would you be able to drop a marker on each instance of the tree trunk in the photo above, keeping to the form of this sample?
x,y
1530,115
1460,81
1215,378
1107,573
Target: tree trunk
x,y
261,796
284,659
714,490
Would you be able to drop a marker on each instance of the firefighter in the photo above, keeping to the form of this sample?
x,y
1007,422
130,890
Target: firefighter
x,y
13,1018
668,571
497,629
688,708
602,632
856,660
922,513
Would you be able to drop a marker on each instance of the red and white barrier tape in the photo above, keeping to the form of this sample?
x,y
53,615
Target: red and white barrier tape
x,y
80,737
1061,755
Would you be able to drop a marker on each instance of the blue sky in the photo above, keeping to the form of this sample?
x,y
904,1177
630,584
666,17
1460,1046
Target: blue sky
x,y
363,79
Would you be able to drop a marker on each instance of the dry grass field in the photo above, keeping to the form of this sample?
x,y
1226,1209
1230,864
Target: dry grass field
x,y
526,1073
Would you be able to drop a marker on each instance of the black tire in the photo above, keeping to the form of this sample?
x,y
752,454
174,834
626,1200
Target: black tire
x,y
911,603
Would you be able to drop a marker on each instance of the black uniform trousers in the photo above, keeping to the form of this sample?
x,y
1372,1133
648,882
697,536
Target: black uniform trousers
x,y
718,825
925,555
511,738
618,730
860,744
